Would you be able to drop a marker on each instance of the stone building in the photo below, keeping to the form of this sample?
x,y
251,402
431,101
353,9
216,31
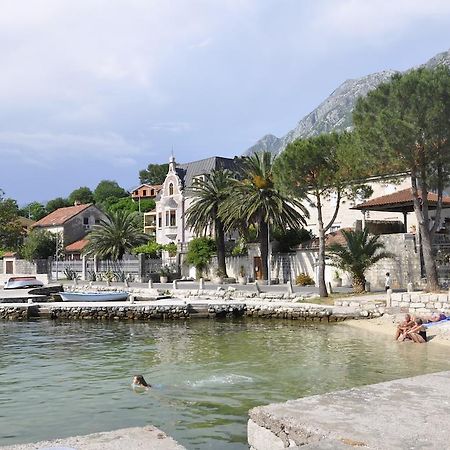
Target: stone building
x,y
71,223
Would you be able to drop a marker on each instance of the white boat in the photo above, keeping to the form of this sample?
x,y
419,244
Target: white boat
x,y
93,296
22,283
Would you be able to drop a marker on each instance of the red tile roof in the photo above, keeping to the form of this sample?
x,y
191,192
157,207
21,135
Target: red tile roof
x,y
400,197
61,215
9,254
77,246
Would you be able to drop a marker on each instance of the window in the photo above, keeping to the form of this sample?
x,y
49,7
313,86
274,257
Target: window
x,y
167,218
152,193
144,192
85,220
159,220
173,218
97,221
171,189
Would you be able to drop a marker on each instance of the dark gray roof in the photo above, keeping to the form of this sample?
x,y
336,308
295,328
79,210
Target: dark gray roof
x,y
188,171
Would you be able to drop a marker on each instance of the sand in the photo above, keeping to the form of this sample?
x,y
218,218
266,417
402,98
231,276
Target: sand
x,y
386,325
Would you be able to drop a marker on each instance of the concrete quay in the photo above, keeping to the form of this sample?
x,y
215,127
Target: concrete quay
x,y
410,413
145,438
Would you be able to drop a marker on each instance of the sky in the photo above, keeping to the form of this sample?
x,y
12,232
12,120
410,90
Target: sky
x,y
98,89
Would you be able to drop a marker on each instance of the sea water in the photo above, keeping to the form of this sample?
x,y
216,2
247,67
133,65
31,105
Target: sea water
x,y
61,379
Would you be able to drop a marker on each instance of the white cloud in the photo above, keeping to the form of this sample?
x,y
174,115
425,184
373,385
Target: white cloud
x,y
43,148
375,20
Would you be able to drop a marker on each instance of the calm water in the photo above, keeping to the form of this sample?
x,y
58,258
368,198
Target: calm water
x,y
61,379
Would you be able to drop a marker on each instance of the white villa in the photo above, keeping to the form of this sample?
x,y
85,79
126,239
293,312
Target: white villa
x,y
173,199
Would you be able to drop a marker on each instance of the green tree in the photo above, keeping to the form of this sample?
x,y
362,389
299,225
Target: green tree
x,y
11,231
405,125
108,189
154,174
56,203
113,237
203,213
200,252
319,169
127,203
288,240
34,211
81,195
39,244
361,251
255,199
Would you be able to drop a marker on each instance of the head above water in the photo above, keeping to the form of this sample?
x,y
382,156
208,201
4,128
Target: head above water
x,y
139,380
419,321
407,317
388,274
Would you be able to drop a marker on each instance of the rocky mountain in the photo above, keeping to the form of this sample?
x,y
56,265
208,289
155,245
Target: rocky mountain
x,y
335,113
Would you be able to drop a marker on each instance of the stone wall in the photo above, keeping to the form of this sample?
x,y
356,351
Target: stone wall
x,y
14,312
421,303
255,310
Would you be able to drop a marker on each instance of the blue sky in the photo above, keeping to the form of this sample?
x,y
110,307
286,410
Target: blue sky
x,y
97,89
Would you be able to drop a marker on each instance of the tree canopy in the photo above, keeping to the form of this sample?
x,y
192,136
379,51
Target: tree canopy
x,y
256,199
39,244
56,203
118,234
11,231
203,213
82,195
34,211
154,173
107,189
404,125
318,169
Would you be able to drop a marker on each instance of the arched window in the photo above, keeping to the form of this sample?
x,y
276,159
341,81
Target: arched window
x,y
171,189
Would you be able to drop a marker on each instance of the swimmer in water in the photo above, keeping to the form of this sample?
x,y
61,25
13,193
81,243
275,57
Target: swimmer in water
x,y
139,382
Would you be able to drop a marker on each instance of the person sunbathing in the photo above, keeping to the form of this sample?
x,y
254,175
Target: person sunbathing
x,y
403,327
418,333
436,317
139,382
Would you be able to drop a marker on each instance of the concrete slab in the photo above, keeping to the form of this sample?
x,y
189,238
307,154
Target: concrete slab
x,y
411,413
145,438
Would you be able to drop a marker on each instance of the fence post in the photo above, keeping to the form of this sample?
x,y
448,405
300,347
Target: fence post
x,y
83,267
141,269
95,264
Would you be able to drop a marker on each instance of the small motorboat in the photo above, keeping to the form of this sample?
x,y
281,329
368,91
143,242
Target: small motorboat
x,y
22,283
93,296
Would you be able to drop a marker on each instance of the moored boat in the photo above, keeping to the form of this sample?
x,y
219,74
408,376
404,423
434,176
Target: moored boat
x,y
22,283
93,296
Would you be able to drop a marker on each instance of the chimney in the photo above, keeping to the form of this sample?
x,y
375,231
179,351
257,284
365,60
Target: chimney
x,y
76,203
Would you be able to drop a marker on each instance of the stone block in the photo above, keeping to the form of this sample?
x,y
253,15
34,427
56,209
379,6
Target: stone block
x,y
406,297
438,305
443,298
429,305
415,297
417,305
396,303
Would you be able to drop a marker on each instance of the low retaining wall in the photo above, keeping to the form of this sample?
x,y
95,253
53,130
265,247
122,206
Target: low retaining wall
x,y
129,311
421,303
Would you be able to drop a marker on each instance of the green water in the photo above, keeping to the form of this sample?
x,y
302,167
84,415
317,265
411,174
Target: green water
x,y
62,379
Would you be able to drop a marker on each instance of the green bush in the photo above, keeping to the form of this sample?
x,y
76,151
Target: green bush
x,y
152,249
200,252
39,244
304,280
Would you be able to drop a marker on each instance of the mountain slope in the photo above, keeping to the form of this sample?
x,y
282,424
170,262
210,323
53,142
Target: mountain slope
x,y
335,113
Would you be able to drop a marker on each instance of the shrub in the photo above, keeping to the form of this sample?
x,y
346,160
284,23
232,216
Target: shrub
x,y
39,244
152,249
200,252
304,280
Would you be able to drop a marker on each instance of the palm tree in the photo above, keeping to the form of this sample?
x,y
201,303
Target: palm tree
x,y
203,213
361,251
116,235
254,199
